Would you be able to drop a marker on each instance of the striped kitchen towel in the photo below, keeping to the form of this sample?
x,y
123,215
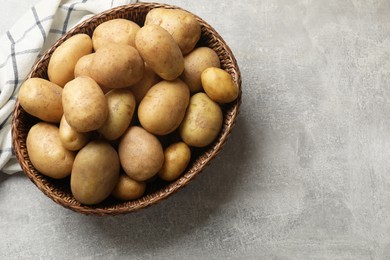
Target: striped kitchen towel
x,y
31,36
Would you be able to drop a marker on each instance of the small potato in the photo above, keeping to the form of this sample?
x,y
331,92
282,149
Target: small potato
x,y
85,106
121,106
148,80
42,99
47,153
95,173
140,153
63,60
120,31
177,156
117,66
164,106
182,25
70,138
195,63
128,189
202,122
160,51
219,85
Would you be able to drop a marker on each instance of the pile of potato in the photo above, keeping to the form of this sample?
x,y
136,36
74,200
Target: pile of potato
x,y
89,128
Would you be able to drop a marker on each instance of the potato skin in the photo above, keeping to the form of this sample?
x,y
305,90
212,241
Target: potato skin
x,y
85,106
47,153
182,25
120,31
202,122
163,55
70,138
219,85
149,79
128,189
140,153
117,66
95,173
63,60
177,156
164,106
121,106
41,98
195,63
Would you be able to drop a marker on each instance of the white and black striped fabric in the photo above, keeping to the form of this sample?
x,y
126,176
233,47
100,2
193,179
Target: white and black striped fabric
x,y
32,35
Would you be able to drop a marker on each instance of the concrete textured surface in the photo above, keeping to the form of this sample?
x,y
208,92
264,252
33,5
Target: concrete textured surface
x,y
305,174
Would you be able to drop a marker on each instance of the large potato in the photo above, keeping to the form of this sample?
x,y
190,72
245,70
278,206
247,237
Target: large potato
x,y
219,85
149,79
202,122
121,105
70,138
160,51
115,31
177,156
85,106
182,25
47,153
42,99
95,173
164,106
116,66
128,189
140,153
195,63
64,58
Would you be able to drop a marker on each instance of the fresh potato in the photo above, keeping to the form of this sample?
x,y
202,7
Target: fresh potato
x,y
182,25
160,51
128,189
177,156
164,106
120,31
95,173
47,153
70,138
121,105
85,106
63,60
42,99
219,85
117,66
195,63
140,154
202,122
149,79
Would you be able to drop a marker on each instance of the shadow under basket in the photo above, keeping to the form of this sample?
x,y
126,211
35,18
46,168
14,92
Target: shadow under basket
x,y
59,190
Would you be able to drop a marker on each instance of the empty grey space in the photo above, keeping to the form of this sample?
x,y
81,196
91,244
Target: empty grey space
x,y
304,175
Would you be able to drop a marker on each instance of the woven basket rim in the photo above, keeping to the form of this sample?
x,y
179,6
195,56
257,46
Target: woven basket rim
x,y
153,198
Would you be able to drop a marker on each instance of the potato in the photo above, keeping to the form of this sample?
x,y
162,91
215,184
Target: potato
x,y
117,66
128,189
121,105
70,138
120,31
195,63
63,60
177,156
164,106
202,122
160,51
85,106
140,154
148,80
47,153
42,99
182,25
219,85
95,173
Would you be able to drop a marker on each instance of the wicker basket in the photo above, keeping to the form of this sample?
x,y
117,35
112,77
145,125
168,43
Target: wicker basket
x,y
59,190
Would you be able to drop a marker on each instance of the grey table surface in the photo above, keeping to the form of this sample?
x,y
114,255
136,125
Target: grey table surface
x,y
305,174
